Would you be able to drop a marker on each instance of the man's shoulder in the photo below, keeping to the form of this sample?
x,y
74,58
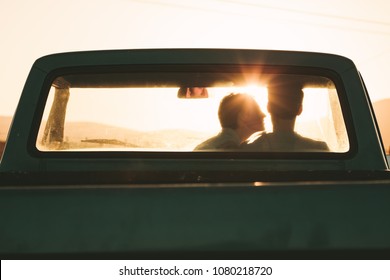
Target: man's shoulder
x,y
275,142
309,143
255,141
255,137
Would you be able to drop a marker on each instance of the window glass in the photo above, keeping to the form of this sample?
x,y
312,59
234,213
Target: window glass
x,y
152,112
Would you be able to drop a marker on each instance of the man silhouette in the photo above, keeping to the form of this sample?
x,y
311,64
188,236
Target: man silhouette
x,y
284,105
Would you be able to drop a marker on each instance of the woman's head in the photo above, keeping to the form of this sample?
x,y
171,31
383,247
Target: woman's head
x,y
239,110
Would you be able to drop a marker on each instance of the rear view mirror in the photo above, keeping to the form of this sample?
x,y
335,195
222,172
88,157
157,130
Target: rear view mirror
x,y
192,92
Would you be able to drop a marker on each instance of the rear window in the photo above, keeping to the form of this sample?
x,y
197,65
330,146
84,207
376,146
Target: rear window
x,y
176,110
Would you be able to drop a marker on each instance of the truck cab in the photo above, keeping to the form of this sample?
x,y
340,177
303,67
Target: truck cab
x,y
102,159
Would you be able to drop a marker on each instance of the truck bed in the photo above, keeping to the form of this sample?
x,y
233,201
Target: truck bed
x,y
316,219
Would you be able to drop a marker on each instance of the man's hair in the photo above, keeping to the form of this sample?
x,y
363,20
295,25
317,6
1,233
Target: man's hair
x,y
285,100
231,106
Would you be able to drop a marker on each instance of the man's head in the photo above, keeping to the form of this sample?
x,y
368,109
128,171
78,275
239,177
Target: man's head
x,y
285,100
240,110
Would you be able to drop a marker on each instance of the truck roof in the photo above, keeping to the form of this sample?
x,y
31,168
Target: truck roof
x,y
194,56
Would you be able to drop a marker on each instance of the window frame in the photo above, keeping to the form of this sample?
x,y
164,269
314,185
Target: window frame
x,y
190,68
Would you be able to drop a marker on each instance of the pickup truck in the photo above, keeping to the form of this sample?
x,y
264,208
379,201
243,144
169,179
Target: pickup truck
x,y
100,161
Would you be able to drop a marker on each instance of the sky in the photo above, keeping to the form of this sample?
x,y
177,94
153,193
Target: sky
x,y
359,30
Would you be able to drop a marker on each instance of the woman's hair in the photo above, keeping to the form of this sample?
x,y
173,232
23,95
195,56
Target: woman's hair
x,y
231,106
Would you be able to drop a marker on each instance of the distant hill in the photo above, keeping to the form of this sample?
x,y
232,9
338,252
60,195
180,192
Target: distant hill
x,y
382,112
5,122
88,134
4,127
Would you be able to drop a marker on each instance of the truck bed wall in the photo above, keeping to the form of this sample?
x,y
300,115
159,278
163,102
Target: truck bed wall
x,y
195,218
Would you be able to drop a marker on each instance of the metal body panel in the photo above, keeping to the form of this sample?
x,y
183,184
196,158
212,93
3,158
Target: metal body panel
x,y
307,217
